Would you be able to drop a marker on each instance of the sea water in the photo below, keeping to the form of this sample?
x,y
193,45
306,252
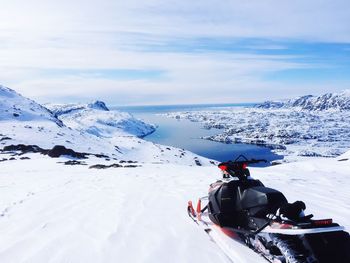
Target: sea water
x,y
187,135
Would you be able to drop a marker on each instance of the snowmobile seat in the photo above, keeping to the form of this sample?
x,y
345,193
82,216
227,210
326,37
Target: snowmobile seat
x,y
224,202
260,201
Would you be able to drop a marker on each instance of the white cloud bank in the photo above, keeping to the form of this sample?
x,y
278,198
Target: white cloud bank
x,y
38,35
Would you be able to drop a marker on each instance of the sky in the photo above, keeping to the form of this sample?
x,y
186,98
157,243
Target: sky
x,y
145,52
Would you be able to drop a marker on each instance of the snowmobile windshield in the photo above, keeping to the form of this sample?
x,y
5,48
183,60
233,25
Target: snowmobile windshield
x,y
237,168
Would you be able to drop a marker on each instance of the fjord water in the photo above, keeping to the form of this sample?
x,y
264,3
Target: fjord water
x,y
187,135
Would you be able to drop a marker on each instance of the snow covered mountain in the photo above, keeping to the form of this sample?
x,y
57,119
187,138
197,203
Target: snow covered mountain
x,y
328,101
90,128
95,118
24,121
16,107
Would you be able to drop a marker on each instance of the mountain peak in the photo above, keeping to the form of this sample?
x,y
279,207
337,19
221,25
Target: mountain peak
x,y
7,92
98,105
327,101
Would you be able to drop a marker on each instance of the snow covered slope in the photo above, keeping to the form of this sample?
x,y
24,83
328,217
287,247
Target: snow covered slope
x,y
56,213
24,121
95,118
89,129
328,101
16,107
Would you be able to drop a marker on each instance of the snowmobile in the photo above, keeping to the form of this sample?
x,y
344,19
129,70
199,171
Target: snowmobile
x,y
241,209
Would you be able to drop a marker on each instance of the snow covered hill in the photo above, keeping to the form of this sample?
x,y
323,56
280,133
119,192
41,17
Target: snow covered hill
x,y
96,119
83,128
24,121
16,107
328,101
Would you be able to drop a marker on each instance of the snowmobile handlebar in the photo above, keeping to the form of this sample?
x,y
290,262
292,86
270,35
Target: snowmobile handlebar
x,y
238,168
242,164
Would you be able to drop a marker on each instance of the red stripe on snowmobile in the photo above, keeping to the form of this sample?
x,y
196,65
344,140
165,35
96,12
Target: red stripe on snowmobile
x,y
229,233
199,206
191,209
322,222
199,209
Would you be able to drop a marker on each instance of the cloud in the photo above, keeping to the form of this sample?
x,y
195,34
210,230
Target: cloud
x,y
209,51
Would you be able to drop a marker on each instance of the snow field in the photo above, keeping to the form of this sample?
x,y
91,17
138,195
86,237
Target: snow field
x,y
56,213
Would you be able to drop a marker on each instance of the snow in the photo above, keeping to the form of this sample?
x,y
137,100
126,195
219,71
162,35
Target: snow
x,y
89,128
54,212
96,119
289,131
329,101
15,107
57,213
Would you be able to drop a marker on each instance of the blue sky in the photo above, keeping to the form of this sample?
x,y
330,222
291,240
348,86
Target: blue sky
x,y
174,52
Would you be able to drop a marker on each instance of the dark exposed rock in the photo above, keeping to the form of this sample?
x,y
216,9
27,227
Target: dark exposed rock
x,y
56,151
198,163
100,155
99,105
102,166
123,161
24,148
115,165
24,158
74,162
59,150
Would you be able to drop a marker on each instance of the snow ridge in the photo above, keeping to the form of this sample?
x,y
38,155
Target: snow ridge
x,y
14,106
328,101
60,109
95,118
